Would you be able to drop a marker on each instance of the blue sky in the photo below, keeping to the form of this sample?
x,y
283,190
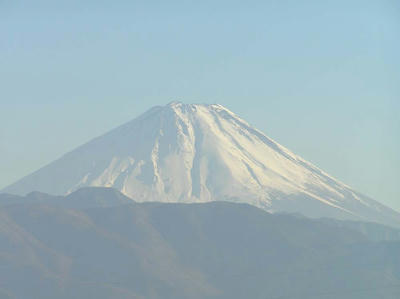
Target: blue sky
x,y
320,77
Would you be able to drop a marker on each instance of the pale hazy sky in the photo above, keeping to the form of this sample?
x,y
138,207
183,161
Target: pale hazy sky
x,y
320,77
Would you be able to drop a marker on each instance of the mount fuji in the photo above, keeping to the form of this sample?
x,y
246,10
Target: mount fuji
x,y
199,153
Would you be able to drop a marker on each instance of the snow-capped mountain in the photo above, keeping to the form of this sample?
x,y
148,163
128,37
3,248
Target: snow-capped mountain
x,y
199,153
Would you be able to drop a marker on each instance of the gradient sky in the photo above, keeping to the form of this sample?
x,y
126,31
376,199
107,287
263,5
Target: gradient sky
x,y
320,77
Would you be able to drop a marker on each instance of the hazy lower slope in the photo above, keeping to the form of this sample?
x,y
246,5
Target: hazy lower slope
x,y
59,248
200,153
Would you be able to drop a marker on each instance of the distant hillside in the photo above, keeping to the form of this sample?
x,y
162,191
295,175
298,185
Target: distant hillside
x,y
96,243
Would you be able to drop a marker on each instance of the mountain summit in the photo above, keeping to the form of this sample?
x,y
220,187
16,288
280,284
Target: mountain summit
x,y
199,153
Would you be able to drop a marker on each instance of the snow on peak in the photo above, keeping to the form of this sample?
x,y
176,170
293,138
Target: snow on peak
x,y
202,152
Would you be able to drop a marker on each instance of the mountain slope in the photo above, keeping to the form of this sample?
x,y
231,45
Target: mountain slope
x,y
208,250
200,153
